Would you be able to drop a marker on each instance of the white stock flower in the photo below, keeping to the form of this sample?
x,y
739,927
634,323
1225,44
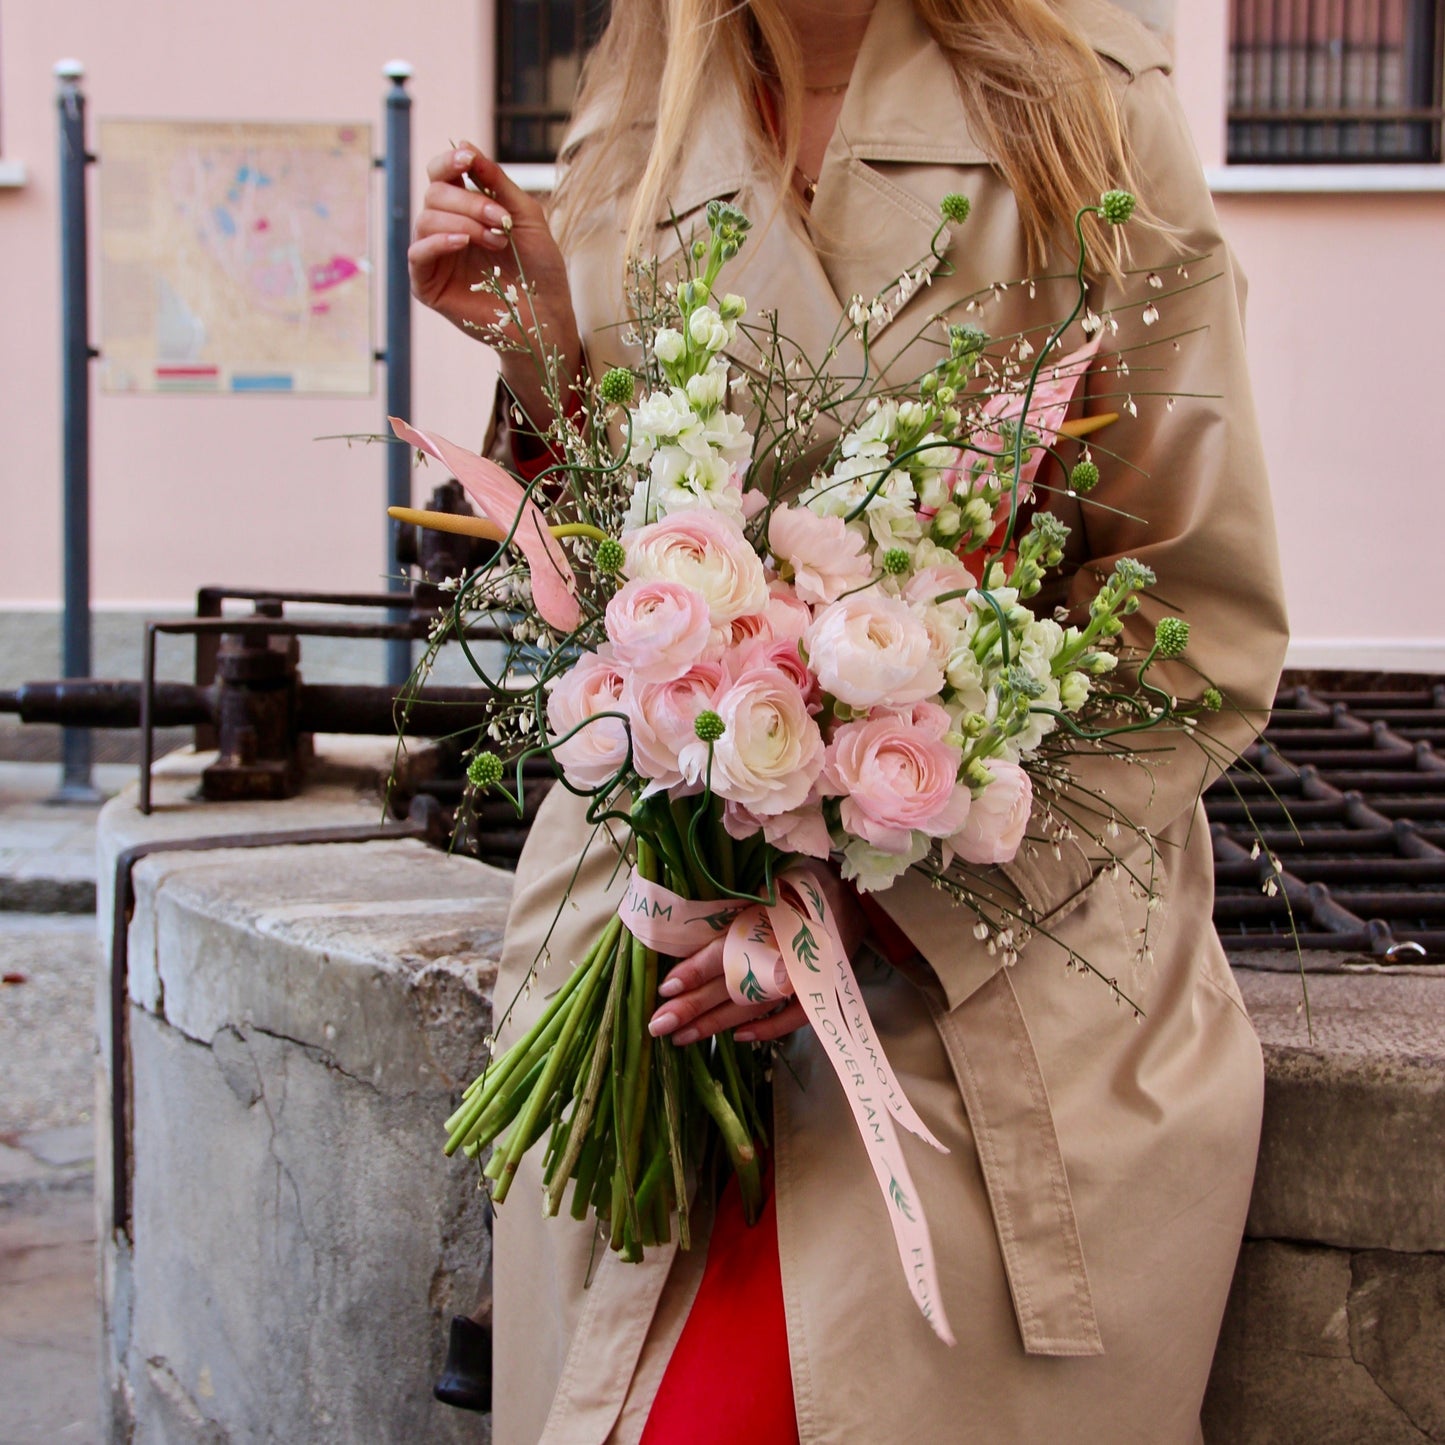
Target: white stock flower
x,y
708,329
668,346
708,389
873,870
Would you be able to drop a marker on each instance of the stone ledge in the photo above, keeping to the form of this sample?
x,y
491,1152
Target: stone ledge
x,y
1353,1119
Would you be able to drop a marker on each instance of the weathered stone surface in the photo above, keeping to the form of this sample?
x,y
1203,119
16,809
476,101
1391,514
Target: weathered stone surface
x,y
1350,1153
301,1020
1331,1348
296,1256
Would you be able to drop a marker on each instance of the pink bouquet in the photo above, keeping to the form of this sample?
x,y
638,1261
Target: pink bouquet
x,y
778,675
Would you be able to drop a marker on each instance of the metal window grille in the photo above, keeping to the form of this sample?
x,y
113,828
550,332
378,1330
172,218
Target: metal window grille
x,y
1335,81
541,45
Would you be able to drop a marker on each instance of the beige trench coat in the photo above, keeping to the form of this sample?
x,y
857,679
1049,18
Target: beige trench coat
x,y
1087,1216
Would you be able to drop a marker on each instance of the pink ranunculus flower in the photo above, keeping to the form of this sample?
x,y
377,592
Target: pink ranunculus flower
x,y
780,652
787,613
896,776
870,649
739,633
592,756
999,815
802,830
771,751
705,550
928,584
826,557
657,629
663,716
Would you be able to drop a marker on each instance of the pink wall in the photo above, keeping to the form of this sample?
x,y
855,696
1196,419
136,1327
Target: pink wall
x,y
1345,294
189,490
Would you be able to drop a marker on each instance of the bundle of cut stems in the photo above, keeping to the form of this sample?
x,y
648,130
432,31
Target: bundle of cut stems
x,y
627,1118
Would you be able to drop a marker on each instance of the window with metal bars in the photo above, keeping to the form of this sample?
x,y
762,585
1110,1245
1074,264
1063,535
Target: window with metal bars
x,y
1335,81
541,45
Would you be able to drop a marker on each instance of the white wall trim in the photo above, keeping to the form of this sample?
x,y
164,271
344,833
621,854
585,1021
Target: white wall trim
x,y
1323,180
12,175
1368,654
536,177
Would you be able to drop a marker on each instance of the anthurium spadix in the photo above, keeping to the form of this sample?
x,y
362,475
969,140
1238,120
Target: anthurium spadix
x,y
506,505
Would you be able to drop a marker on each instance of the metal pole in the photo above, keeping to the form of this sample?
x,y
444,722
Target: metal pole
x,y
398,338
76,785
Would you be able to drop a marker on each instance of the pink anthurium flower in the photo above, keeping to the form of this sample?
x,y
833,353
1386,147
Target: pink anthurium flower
x,y
501,498
1058,380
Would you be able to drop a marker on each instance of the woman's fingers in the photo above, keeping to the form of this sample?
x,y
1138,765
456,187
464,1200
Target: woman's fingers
x,y
453,201
746,1019
678,1012
774,1026
694,971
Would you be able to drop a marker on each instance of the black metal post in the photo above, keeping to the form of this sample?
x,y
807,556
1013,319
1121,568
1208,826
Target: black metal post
x,y
398,337
76,785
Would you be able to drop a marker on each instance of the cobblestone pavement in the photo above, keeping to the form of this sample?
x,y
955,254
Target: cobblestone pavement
x,y
49,1317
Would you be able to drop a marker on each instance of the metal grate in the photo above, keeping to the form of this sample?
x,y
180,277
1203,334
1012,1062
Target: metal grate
x,y
1347,793
1335,80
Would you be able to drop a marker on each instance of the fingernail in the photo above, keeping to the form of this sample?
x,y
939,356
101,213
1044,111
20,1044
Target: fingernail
x,y
662,1023
669,988
465,158
744,1036
494,215
685,1037
458,240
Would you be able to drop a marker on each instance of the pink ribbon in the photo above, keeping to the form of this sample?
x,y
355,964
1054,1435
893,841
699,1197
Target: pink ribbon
x,y
793,949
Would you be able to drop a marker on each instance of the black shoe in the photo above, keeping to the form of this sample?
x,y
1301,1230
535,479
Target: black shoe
x,y
466,1378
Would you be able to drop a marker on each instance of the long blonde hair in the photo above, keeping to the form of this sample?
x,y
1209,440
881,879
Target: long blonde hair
x,y
1032,86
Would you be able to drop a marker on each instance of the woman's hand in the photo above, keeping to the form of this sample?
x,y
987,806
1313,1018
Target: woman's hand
x,y
696,1005
461,235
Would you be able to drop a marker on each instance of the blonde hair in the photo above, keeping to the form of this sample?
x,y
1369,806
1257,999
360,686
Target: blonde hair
x,y
1031,84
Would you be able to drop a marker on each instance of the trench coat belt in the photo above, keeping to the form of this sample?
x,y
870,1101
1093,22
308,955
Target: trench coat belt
x,y
998,1074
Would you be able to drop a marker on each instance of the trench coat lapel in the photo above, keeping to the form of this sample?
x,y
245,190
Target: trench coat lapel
x,y
902,116
778,269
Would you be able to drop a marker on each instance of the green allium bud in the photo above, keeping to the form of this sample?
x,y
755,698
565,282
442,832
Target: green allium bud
x,y
1171,636
616,386
1117,206
610,557
1084,477
896,561
484,771
955,208
1213,699
709,726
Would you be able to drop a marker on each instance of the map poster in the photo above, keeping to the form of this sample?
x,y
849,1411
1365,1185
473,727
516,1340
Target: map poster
x,y
235,258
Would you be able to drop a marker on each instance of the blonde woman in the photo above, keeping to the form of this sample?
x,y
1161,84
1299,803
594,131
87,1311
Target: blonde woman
x,y
1089,1211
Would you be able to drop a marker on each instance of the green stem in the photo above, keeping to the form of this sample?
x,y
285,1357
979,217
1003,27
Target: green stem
x,y
518,1140
591,1092
740,1147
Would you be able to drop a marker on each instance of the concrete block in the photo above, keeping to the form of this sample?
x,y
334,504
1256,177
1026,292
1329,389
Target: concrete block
x,y
299,1242
301,1020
